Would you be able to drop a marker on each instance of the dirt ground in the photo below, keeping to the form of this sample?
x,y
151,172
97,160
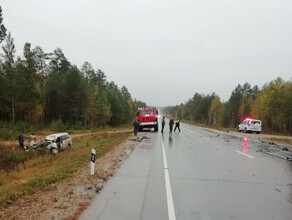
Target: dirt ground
x,y
67,199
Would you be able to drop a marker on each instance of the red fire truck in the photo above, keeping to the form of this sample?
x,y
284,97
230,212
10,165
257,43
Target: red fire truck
x,y
148,118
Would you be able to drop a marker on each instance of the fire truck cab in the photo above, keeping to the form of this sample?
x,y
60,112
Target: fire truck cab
x,y
147,118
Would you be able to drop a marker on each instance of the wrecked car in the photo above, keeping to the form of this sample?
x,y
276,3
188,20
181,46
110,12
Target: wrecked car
x,y
56,142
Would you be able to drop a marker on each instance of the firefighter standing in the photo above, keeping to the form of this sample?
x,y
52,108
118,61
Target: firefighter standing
x,y
177,125
136,127
162,124
171,122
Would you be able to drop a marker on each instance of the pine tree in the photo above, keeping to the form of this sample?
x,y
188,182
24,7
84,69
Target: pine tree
x,y
2,27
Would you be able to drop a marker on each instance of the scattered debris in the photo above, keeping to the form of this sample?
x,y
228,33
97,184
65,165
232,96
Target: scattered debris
x,y
276,150
278,190
98,188
139,139
9,202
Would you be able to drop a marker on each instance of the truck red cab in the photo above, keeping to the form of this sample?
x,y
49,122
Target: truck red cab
x,y
147,118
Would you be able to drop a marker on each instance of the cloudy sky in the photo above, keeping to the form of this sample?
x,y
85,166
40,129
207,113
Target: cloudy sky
x,y
163,51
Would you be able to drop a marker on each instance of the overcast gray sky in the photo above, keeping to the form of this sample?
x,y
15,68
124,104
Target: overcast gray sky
x,y
163,51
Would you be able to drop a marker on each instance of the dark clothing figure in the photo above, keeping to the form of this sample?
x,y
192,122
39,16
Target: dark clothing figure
x,y
177,125
171,122
136,127
162,124
21,141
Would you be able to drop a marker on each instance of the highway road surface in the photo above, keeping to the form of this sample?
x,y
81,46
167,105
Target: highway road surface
x,y
194,174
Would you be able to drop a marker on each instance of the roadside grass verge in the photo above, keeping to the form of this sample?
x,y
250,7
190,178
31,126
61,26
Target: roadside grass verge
x,y
43,170
9,131
283,138
227,129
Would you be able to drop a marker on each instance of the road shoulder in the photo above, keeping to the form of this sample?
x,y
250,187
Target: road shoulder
x,y
67,199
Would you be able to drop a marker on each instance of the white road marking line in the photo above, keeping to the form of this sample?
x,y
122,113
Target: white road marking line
x,y
170,206
244,154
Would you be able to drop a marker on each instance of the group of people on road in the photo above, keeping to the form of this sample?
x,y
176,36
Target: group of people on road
x,y
171,123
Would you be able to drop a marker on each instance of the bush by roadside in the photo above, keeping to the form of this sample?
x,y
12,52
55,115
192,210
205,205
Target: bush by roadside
x,y
10,131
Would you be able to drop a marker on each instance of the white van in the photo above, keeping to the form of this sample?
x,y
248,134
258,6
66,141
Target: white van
x,y
250,125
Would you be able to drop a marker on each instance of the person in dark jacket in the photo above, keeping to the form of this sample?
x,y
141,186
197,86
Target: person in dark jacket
x,y
21,141
162,124
171,122
177,125
136,127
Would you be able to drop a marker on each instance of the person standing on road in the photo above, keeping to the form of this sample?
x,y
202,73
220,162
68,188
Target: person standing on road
x,y
177,125
162,124
21,141
171,122
136,127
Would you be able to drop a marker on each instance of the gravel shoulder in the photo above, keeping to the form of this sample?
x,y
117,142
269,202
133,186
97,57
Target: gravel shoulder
x,y
67,199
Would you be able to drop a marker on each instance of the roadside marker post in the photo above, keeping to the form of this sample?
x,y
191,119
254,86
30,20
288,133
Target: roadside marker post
x,y
92,161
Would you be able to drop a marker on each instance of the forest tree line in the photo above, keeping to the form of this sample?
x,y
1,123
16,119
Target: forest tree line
x,y
42,87
272,105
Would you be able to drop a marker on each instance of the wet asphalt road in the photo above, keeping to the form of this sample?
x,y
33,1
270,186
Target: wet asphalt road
x,y
205,174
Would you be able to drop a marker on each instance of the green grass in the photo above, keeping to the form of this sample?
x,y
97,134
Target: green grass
x,y
43,170
9,131
14,157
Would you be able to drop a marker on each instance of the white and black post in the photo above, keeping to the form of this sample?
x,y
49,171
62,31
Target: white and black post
x,y
92,161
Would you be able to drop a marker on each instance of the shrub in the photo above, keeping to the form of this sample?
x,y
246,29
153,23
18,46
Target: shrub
x,y
2,177
22,127
15,157
11,131
58,126
6,133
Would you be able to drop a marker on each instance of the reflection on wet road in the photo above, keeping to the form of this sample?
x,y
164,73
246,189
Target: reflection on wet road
x,y
244,144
